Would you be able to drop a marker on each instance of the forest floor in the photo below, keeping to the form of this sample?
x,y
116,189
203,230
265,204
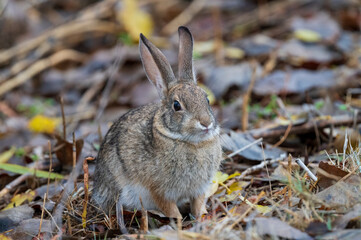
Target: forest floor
x,y
283,78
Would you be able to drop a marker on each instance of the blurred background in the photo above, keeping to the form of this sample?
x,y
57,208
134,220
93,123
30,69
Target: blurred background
x,y
287,71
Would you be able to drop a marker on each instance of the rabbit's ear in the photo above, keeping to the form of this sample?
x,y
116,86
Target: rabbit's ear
x,y
156,66
185,59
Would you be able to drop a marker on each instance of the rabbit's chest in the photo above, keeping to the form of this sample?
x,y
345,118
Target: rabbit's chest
x,y
190,173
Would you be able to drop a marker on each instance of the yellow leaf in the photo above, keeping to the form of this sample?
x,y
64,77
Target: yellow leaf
x,y
307,35
3,237
234,53
214,188
220,177
18,199
210,94
237,186
42,124
259,208
5,156
229,197
263,209
233,175
204,47
135,20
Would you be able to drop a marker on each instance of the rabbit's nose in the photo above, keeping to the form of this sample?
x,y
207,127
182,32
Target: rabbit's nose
x,y
206,123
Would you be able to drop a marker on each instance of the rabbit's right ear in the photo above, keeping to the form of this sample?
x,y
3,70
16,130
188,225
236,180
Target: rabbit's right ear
x,y
156,66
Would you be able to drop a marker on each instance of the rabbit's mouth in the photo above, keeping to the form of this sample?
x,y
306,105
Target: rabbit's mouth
x,y
206,134
194,135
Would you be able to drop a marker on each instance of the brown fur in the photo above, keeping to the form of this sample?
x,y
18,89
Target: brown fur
x,y
163,156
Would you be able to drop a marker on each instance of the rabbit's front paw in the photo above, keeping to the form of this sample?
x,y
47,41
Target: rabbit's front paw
x,y
198,207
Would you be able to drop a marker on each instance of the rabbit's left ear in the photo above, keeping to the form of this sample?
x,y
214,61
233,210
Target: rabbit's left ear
x,y
185,56
156,66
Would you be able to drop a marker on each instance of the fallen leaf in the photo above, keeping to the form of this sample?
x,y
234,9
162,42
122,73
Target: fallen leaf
x,y
220,79
10,218
342,235
3,237
306,35
237,186
229,197
257,45
18,199
353,214
277,228
5,156
316,228
343,194
206,47
23,170
235,141
262,209
218,179
296,81
233,175
322,26
30,227
329,174
64,150
43,124
309,55
234,53
135,20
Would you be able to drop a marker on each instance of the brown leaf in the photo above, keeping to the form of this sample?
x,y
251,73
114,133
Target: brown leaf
x,y
328,175
275,227
317,228
12,217
64,150
354,213
343,194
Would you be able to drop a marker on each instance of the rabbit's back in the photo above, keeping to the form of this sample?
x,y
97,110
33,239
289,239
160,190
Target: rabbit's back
x,y
130,135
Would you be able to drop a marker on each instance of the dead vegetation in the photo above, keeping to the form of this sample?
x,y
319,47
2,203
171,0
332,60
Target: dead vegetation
x,y
283,78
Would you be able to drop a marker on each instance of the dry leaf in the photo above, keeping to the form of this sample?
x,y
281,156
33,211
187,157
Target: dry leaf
x,y
275,227
328,175
219,178
307,35
135,20
64,150
353,214
19,199
5,156
343,194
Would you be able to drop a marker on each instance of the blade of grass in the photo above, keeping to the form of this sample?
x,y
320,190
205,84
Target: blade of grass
x,y
24,170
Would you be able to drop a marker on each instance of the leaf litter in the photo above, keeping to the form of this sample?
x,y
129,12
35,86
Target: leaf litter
x,y
63,81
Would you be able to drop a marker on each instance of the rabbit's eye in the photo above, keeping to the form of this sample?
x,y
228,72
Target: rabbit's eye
x,y
176,105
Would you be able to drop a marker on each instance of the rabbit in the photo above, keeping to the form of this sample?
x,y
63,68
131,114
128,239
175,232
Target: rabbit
x,y
165,154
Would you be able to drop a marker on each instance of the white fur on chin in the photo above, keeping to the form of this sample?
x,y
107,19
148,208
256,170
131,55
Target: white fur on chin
x,y
193,138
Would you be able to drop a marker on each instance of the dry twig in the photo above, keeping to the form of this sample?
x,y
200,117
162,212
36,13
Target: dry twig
x,y
246,97
39,66
185,16
309,126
